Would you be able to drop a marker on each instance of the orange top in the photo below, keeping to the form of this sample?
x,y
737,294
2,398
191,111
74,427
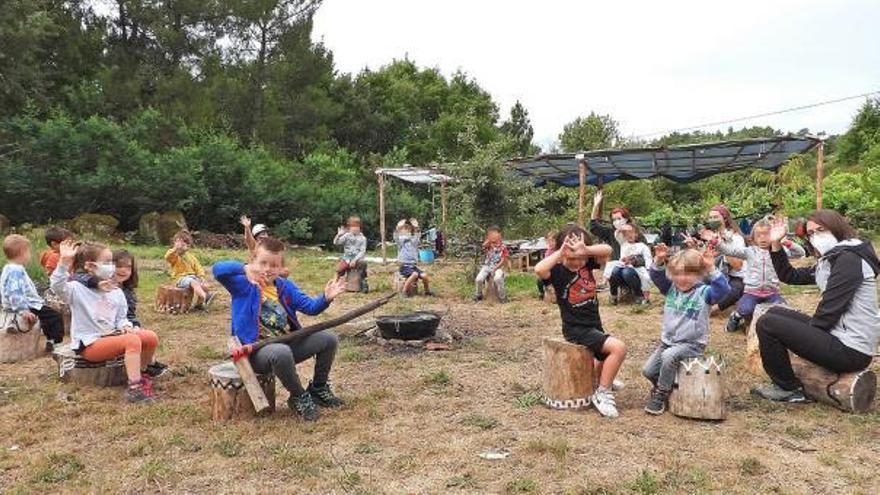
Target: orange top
x,y
49,260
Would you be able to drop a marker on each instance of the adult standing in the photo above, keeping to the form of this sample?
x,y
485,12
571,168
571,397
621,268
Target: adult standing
x,y
843,332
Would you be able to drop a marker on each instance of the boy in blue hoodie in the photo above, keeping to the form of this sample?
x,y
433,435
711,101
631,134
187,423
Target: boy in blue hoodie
x,y
685,329
264,305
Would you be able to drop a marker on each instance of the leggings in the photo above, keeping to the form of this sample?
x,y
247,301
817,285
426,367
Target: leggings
x,y
736,291
280,360
51,323
625,276
138,348
781,330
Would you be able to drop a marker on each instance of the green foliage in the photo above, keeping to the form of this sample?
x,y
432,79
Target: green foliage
x,y
593,132
863,134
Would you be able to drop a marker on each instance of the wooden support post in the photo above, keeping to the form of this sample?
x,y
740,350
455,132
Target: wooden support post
x,y
582,189
820,173
249,378
568,375
381,178
699,389
851,392
443,209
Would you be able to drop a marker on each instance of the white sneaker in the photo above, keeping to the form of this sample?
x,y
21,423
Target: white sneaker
x,y
617,385
604,402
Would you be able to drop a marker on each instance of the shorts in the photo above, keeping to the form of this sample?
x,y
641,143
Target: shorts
x,y
590,337
407,270
186,281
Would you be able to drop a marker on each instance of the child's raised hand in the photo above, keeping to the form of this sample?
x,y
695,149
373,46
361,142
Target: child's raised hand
x,y
661,252
709,256
598,197
340,230
334,288
245,221
255,276
68,249
778,229
689,241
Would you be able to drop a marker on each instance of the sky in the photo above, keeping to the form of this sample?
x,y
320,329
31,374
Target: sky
x,y
653,66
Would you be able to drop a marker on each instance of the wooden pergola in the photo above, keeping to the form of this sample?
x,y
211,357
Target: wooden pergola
x,y
410,175
682,164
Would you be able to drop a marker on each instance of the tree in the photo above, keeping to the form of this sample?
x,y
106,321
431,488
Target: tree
x,y
862,134
518,128
593,132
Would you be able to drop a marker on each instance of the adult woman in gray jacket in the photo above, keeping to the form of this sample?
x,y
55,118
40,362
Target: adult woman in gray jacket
x,y
843,332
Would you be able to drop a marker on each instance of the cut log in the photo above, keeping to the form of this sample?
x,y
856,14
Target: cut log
x,y
353,280
18,342
229,399
851,392
699,391
62,307
753,350
568,375
249,378
72,368
491,294
399,282
172,299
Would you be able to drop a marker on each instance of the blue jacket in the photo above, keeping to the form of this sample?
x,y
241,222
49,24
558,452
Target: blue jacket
x,y
248,297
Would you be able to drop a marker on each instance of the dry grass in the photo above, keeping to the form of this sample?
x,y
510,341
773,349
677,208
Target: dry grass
x,y
416,421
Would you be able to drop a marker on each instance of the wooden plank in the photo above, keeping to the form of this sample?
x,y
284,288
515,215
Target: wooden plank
x,y
381,179
820,173
249,378
582,189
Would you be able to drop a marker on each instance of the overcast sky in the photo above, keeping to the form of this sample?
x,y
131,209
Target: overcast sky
x,y
653,65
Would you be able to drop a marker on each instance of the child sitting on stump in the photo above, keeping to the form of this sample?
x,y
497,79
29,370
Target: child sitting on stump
x,y
685,329
570,270
493,264
407,237
354,246
19,294
264,305
186,271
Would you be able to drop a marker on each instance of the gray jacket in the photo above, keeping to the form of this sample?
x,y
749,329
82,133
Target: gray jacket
x,y
758,272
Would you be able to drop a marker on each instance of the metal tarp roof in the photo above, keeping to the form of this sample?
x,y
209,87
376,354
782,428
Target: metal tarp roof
x,y
416,175
678,163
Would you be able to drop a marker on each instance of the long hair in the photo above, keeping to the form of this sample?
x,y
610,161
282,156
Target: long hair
x,y
835,223
123,255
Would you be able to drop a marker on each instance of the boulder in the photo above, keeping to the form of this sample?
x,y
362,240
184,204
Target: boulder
x,y
94,224
5,224
169,224
148,228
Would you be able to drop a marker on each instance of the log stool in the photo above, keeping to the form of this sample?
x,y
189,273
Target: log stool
x,y
354,280
72,368
699,389
229,399
568,375
851,392
549,294
753,349
62,307
173,299
18,342
398,282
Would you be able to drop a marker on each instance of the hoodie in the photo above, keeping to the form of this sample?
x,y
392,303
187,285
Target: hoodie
x,y
847,277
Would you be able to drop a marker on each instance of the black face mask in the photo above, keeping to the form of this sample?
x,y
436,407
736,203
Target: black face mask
x,y
713,224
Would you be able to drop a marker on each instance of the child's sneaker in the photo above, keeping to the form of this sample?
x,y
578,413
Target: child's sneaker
x,y
199,307
641,301
156,369
430,293
657,403
733,322
305,406
50,347
365,287
613,300
478,297
773,391
617,385
138,394
604,401
324,396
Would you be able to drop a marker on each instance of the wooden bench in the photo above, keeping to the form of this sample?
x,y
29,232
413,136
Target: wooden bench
x,y
699,391
174,300
73,368
229,399
567,374
18,342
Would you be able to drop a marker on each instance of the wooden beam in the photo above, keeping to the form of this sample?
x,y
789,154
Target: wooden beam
x,y
820,173
582,189
443,209
380,177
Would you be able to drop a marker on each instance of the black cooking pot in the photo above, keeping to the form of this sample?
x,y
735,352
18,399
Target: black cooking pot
x,y
411,326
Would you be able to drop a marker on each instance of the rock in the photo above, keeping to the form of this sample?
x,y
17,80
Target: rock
x,y
169,223
94,224
148,228
5,224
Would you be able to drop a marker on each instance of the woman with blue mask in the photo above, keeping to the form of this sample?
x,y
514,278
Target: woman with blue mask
x,y
843,332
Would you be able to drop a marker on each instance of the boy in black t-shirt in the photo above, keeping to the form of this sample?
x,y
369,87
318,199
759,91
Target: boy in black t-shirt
x,y
570,270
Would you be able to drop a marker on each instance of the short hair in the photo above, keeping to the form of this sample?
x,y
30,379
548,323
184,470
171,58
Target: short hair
x,y
624,212
14,245
122,255
687,261
88,251
272,245
185,236
352,220
835,223
57,234
493,228
569,229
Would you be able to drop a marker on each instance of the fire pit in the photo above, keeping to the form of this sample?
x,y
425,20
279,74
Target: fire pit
x,y
411,326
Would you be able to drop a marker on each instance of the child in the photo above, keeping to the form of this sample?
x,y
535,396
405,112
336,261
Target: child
x,y
125,278
570,270
760,279
186,270
100,329
20,295
354,249
265,305
253,236
406,235
685,328
49,257
631,270
550,238
493,264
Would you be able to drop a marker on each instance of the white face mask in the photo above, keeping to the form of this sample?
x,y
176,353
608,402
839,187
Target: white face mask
x,y
618,222
105,271
823,241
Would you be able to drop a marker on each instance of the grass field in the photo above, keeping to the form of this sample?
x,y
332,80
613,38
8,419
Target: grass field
x,y
416,421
